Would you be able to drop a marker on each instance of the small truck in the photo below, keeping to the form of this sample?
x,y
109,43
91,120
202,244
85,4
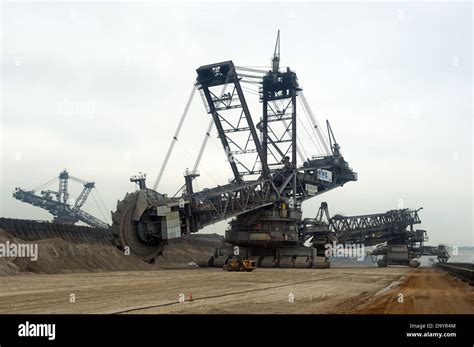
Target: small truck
x,y
242,265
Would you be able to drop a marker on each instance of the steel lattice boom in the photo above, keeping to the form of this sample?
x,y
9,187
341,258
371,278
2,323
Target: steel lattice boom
x,y
57,203
272,176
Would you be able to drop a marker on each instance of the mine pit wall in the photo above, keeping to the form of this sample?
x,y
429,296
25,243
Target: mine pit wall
x,y
70,248
30,230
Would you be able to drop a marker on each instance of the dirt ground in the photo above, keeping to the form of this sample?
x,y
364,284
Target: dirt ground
x,y
335,290
426,291
75,277
57,255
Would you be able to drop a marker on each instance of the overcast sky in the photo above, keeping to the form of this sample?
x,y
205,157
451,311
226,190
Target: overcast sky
x,y
98,88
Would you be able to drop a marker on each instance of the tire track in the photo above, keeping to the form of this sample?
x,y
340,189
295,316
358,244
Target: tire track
x,y
142,308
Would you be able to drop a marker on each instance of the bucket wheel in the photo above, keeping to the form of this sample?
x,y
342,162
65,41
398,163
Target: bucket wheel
x,y
134,229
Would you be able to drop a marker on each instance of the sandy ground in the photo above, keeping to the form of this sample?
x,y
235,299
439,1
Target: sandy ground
x,y
57,255
427,291
336,290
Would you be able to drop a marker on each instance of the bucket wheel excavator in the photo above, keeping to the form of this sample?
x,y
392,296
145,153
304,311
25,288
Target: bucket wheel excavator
x,y
272,176
392,233
66,211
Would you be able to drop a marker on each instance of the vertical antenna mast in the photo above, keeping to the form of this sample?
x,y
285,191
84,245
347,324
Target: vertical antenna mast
x,y
276,55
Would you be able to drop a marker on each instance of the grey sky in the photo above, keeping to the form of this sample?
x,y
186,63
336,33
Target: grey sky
x,y
98,88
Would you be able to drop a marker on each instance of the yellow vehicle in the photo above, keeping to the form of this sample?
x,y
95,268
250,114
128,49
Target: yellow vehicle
x,y
240,265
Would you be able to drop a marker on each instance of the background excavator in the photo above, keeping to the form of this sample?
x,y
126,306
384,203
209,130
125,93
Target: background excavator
x,y
65,210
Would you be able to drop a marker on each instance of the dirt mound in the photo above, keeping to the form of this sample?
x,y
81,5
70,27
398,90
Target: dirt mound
x,y
56,255
31,230
197,248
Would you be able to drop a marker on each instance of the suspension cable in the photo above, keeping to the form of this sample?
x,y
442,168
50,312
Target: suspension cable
x,y
251,91
243,68
203,145
190,155
285,124
100,209
175,138
44,185
100,199
317,144
315,124
206,136
250,82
